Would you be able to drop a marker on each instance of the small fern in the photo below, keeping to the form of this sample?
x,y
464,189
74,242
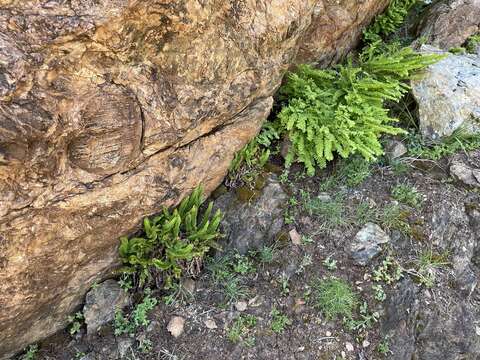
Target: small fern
x,y
253,156
388,22
341,110
172,241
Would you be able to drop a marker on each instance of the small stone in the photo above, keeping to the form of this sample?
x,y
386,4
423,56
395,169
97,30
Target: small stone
x,y
366,244
295,237
349,347
328,333
395,149
241,306
210,324
464,172
365,343
175,326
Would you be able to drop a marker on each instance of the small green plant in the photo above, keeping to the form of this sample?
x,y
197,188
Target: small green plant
x,y
330,264
267,254
233,289
393,217
342,110
251,159
383,346
427,267
389,271
407,194
242,330
243,264
379,293
76,321
473,42
128,324
460,140
283,281
334,298
178,294
457,50
307,240
145,345
364,321
79,354
354,171
30,353
329,210
172,242
279,321
306,262
388,22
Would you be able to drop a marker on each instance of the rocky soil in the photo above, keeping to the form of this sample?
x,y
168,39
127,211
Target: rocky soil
x,y
428,253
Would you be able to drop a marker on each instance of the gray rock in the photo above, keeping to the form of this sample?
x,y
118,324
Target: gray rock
x,y
449,334
101,303
366,244
466,170
427,330
448,95
249,225
451,231
448,23
395,149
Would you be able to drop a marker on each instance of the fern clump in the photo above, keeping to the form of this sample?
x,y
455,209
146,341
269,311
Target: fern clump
x,y
342,110
172,242
388,22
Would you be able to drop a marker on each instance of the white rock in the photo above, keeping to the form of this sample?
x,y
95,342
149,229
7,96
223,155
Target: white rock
x,y
175,326
349,347
241,305
448,95
210,324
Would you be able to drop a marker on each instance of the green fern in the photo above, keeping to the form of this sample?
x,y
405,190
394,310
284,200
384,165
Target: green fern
x,y
253,156
388,22
341,110
172,241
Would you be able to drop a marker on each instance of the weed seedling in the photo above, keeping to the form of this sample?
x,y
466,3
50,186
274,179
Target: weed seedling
x,y
139,317
30,353
279,321
330,264
242,329
407,195
76,322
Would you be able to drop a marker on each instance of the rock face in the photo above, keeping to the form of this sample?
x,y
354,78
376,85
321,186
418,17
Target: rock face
x,y
448,23
110,110
419,329
448,96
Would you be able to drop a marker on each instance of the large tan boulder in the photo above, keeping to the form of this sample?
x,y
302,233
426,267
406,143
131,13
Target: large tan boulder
x,y
110,110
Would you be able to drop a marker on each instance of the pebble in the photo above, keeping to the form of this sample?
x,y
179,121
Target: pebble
x,y
175,326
